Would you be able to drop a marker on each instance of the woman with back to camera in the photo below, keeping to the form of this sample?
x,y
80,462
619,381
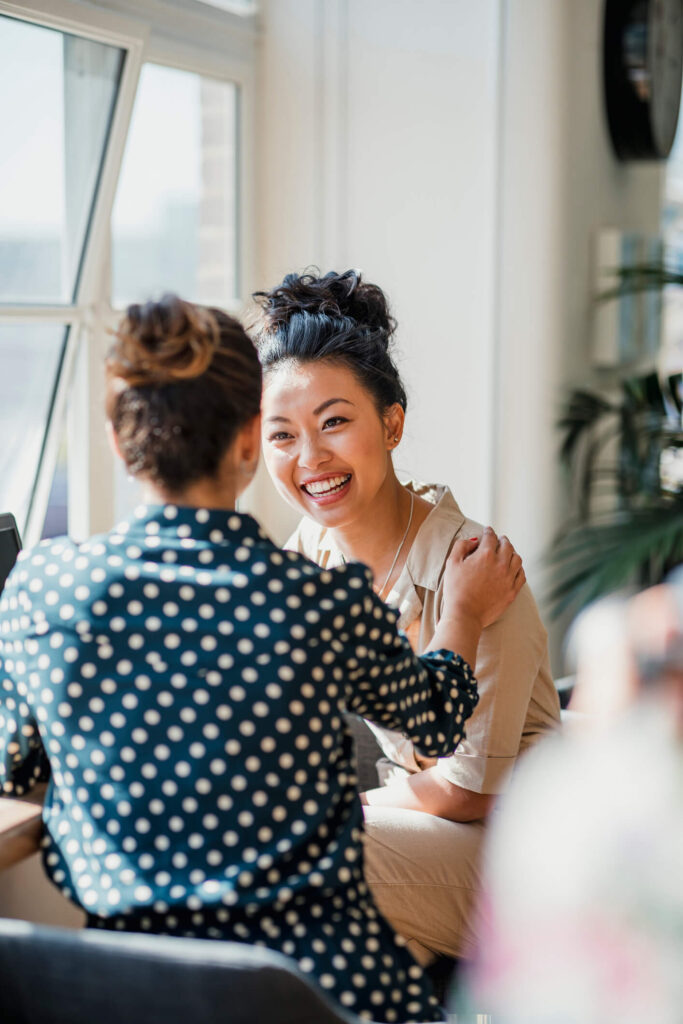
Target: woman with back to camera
x,y
181,683
333,412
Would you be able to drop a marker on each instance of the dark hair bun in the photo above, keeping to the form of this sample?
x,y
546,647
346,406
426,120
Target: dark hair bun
x,y
181,381
335,295
336,317
164,341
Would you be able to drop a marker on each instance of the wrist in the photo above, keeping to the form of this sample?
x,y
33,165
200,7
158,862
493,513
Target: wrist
x,y
459,617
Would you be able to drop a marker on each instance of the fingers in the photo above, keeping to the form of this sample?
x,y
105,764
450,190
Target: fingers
x,y
489,539
462,548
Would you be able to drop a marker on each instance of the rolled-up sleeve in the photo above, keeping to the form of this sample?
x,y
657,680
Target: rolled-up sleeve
x,y
429,698
513,673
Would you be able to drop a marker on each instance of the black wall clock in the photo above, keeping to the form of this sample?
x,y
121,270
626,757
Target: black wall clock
x,y
643,65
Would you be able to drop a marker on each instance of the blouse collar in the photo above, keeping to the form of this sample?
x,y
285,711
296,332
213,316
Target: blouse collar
x,y
171,521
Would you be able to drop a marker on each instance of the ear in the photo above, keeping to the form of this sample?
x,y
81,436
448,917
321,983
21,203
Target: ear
x,y
247,448
394,419
113,439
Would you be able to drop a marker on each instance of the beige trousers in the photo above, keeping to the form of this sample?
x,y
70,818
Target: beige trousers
x,y
425,875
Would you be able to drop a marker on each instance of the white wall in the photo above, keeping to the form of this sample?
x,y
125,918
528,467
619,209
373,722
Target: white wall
x,y
378,151
560,183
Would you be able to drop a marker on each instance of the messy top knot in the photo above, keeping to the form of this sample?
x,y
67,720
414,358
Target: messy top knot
x,y
164,341
335,316
181,380
335,295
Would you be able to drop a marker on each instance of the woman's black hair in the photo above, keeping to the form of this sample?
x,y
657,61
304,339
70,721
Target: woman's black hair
x,y
337,317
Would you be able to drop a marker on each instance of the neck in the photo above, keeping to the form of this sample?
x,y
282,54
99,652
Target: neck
x,y
212,494
377,547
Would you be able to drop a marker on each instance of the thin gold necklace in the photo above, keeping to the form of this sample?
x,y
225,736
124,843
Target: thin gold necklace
x,y
400,547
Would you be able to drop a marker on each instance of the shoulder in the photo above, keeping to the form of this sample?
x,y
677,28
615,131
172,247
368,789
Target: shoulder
x,y
296,565
44,559
50,564
521,620
351,575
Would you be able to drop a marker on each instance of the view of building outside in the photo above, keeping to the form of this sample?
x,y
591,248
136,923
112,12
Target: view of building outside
x,y
174,224
672,229
671,356
175,220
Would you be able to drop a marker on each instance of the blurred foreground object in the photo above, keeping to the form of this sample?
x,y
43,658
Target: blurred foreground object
x,y
584,915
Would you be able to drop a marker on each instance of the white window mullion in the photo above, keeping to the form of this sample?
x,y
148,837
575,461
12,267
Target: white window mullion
x,y
91,468
40,314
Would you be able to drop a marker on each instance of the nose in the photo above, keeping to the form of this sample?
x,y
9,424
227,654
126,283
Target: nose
x,y
313,453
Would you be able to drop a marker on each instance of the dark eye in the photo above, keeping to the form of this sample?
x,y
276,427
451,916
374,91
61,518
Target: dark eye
x,y
281,435
334,421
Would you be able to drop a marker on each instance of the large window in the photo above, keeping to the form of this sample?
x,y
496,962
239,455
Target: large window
x,y
58,95
118,181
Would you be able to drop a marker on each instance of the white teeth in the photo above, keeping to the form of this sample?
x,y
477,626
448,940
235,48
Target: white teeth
x,y
332,483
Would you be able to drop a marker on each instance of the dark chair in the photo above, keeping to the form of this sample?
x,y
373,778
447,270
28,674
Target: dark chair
x,y
60,976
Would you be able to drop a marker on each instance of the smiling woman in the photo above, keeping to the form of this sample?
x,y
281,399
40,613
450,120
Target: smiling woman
x,y
333,413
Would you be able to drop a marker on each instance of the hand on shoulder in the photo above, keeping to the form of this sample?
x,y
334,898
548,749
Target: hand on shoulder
x,y
482,578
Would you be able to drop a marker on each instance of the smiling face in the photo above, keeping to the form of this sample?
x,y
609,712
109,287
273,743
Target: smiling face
x,y
324,442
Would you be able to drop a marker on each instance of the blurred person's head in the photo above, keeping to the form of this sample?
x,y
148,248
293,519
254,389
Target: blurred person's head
x,y
627,649
334,403
183,398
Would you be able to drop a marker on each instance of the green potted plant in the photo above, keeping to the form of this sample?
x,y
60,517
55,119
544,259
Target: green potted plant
x,y
623,451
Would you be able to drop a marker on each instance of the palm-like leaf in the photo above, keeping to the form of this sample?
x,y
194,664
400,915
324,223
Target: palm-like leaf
x,y
584,411
645,534
591,560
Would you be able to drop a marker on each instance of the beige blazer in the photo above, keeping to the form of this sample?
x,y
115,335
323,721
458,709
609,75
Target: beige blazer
x,y
518,700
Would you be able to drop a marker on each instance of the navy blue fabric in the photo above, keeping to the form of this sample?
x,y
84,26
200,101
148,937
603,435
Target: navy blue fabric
x,y
58,976
183,683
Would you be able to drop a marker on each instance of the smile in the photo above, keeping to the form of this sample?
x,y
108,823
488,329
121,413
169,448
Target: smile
x,y
331,485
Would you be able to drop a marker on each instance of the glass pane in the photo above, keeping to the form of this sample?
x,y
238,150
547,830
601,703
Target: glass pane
x,y
30,355
57,514
59,93
174,219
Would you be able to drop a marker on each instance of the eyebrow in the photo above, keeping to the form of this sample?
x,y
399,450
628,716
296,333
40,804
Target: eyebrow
x,y
316,411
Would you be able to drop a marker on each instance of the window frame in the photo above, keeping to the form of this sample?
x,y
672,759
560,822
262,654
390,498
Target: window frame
x,y
174,33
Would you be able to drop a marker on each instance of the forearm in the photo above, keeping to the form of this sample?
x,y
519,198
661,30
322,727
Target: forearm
x,y
457,632
429,792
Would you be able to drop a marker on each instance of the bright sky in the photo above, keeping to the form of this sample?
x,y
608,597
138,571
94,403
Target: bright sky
x,y
162,157
31,127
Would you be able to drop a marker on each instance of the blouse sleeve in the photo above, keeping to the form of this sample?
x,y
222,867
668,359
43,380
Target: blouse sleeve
x,y
23,761
428,698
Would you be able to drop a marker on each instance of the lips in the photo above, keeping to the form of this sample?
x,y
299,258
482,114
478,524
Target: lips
x,y
326,487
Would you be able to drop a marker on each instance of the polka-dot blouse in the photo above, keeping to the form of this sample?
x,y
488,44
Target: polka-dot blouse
x,y
182,684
